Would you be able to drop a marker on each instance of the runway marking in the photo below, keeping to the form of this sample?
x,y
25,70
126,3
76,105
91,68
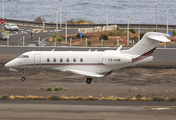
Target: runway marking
x,y
38,31
160,108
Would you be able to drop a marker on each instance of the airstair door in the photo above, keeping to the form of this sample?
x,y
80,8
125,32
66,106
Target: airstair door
x,y
37,61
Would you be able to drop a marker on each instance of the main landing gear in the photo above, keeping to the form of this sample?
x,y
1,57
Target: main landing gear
x,y
89,80
23,72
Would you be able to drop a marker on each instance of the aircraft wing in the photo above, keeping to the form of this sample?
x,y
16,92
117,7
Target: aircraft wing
x,y
85,73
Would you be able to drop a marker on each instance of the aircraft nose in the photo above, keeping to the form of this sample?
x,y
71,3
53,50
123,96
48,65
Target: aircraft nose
x,y
8,64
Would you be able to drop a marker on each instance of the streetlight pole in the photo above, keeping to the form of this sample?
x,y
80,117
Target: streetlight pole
x,y
156,15
2,12
66,28
128,32
167,20
56,26
107,17
60,15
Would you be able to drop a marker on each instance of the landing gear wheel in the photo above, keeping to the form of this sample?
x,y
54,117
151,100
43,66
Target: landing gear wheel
x,y
23,78
89,80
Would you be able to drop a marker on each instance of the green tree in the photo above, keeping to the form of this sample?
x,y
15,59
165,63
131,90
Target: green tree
x,y
173,32
89,42
39,19
132,30
156,30
142,34
103,36
55,35
60,39
117,28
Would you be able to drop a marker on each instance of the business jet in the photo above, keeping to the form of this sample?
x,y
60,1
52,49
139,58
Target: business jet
x,y
91,64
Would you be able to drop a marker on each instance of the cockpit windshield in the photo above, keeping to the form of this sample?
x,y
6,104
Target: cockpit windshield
x,y
23,56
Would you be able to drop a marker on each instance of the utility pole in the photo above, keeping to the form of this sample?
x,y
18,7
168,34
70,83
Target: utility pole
x,y
56,27
60,15
66,28
128,32
107,17
2,12
156,16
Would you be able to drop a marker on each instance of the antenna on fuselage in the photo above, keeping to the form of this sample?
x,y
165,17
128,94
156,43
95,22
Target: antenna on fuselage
x,y
53,49
89,50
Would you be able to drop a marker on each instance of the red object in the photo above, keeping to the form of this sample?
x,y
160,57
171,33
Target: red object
x,y
2,21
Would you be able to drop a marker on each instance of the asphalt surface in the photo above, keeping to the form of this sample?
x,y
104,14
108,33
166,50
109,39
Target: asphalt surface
x,y
79,102
16,37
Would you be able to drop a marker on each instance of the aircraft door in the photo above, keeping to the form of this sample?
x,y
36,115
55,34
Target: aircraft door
x,y
37,61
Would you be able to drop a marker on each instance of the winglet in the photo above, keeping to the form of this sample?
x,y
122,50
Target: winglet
x,y
119,48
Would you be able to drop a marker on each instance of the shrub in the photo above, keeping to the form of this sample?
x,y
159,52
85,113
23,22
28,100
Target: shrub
x,y
61,88
103,36
172,99
65,89
110,33
5,96
48,89
138,96
89,42
117,28
56,88
25,95
129,90
173,32
156,30
42,88
122,30
53,97
132,30
60,39
157,98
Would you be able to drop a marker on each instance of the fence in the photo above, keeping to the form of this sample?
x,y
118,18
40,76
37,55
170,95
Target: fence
x,y
51,25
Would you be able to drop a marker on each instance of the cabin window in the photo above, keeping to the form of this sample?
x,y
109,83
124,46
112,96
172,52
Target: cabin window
x,y
61,60
48,59
54,59
67,59
25,56
81,60
20,56
74,59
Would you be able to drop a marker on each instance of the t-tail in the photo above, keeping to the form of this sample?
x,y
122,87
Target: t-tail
x,y
147,44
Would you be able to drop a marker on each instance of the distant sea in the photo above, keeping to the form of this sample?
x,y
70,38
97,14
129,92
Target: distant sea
x,y
139,11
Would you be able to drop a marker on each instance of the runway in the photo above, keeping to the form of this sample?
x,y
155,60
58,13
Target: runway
x,y
84,110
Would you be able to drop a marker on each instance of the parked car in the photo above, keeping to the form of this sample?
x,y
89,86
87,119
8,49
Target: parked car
x,y
4,36
11,26
36,42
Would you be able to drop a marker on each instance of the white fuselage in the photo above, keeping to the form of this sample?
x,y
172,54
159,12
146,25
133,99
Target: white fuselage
x,y
89,61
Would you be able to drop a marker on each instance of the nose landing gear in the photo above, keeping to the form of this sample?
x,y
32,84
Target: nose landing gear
x,y
89,80
23,72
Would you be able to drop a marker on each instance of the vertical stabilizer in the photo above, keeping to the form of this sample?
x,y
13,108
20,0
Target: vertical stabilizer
x,y
149,42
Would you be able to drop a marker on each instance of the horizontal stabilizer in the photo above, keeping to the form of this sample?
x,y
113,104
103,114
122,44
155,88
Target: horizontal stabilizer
x,y
158,38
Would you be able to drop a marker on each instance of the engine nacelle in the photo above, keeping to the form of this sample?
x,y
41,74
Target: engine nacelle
x,y
111,59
